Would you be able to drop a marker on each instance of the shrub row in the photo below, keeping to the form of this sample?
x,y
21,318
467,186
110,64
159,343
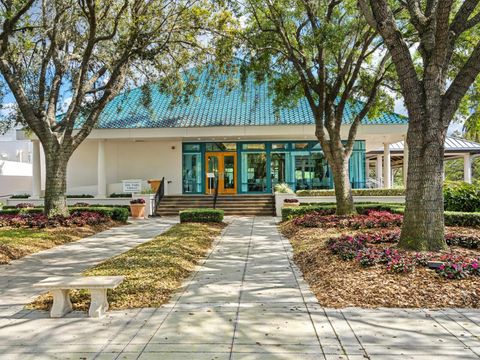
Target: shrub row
x,y
452,218
41,221
289,213
201,215
355,192
114,213
369,220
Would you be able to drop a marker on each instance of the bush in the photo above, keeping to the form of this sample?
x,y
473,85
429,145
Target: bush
x,y
81,196
20,196
114,213
289,213
369,220
469,219
24,206
355,192
283,189
201,215
290,201
41,221
461,196
120,195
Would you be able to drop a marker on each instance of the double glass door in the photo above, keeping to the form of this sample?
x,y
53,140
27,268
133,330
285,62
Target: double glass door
x,y
221,167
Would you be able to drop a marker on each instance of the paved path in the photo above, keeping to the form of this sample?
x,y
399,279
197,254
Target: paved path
x,y
247,301
17,278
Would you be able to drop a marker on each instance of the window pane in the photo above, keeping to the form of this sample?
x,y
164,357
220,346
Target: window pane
x,y
301,146
278,168
192,173
221,146
191,147
229,172
253,146
279,146
254,172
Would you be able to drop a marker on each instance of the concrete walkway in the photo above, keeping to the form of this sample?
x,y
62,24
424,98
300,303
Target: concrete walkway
x,y
247,301
17,278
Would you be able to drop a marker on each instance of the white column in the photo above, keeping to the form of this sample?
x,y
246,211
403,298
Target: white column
x,y
101,173
378,170
405,161
467,168
367,170
36,170
387,167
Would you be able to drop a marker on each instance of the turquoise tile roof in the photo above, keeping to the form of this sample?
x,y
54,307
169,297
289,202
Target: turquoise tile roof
x,y
221,107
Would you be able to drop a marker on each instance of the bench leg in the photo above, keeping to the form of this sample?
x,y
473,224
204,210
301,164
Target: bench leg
x,y
99,303
61,303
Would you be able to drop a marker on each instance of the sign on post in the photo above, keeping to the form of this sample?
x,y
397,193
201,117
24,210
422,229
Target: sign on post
x,y
132,186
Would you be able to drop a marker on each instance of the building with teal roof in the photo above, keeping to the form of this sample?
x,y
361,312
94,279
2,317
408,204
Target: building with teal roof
x,y
234,136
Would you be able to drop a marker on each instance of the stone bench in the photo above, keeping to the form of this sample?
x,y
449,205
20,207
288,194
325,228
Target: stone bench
x,y
60,287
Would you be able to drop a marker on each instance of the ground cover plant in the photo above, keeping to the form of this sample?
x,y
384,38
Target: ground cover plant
x,y
356,261
153,271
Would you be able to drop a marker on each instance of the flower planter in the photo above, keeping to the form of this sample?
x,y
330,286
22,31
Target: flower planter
x,y
137,210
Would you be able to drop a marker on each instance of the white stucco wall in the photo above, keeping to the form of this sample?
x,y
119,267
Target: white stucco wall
x,y
126,160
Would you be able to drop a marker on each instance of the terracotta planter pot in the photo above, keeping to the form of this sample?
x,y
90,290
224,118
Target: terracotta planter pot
x,y
291,204
137,210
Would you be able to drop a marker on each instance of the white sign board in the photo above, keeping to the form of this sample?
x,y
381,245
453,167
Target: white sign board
x,y
210,175
132,186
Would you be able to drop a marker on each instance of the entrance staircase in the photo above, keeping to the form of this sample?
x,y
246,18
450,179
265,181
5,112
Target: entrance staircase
x,y
248,205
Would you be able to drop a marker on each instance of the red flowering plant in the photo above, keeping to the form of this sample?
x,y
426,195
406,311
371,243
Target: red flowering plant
x,y
371,219
290,201
40,221
137,201
25,206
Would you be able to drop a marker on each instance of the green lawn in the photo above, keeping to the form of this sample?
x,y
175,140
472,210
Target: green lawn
x,y
19,242
153,271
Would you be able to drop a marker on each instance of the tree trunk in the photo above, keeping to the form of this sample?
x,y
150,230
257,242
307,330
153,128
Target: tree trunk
x,y
339,164
56,183
423,226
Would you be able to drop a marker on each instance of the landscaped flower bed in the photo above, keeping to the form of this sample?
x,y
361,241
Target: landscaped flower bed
x,y
41,221
364,266
371,219
365,249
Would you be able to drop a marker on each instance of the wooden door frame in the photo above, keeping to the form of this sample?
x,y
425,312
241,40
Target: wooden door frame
x,y
221,169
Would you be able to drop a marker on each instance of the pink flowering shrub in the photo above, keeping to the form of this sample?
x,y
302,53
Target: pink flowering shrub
x,y
359,248
24,206
42,221
466,241
371,219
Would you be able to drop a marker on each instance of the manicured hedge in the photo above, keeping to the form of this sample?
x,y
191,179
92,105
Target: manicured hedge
x,y
452,218
355,192
115,213
455,218
291,212
120,195
20,196
201,215
81,196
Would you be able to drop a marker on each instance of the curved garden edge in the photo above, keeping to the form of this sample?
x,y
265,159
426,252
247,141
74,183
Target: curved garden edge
x,y
338,283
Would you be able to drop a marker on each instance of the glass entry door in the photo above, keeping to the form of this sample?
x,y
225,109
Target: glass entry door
x,y
221,167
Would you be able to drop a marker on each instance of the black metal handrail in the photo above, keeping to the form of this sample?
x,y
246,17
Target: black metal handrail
x,y
215,194
160,193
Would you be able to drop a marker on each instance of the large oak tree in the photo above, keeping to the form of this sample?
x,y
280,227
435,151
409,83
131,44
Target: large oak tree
x,y
324,52
435,46
89,51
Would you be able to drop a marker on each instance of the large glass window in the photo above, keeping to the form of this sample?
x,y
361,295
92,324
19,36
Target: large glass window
x,y
192,173
254,172
310,171
221,146
278,168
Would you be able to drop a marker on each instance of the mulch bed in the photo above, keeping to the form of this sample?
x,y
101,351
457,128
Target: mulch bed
x,y
338,283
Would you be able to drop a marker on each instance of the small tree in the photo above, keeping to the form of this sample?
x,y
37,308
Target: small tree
x,y
324,52
435,46
89,50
